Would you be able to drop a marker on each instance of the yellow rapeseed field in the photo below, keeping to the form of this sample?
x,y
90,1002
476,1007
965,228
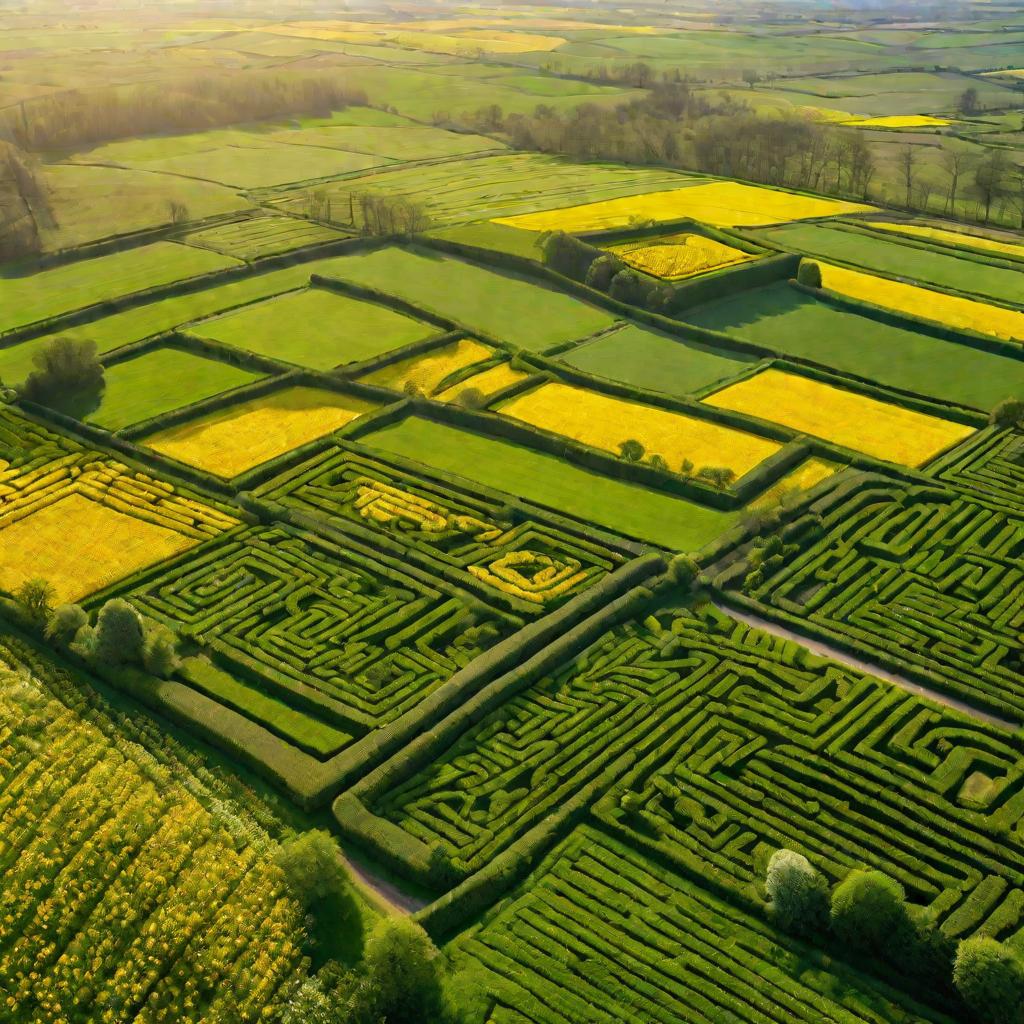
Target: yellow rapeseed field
x,y
488,382
232,440
952,310
108,545
721,203
898,121
960,238
810,472
677,256
866,425
605,422
426,371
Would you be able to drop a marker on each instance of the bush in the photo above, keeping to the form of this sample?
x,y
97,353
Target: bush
x,y
716,476
868,909
797,893
66,369
568,255
472,398
683,570
64,623
990,978
602,270
118,639
160,653
629,287
1008,413
631,450
809,274
35,598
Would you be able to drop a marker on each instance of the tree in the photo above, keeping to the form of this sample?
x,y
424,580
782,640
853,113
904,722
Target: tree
x,y
797,894
471,398
64,623
868,908
716,476
751,77
119,637
656,461
907,163
990,179
967,103
629,287
682,570
178,211
160,653
316,878
65,370
990,978
602,270
35,598
402,981
809,274
568,255
631,450
1008,413
955,163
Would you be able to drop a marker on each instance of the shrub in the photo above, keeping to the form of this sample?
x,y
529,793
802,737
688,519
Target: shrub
x,y
990,978
809,274
868,908
160,653
602,270
35,598
683,570
629,287
716,476
568,255
118,639
472,398
64,623
656,461
797,893
631,450
64,370
1008,413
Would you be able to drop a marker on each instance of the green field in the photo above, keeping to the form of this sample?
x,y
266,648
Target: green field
x,y
889,257
403,142
159,381
315,328
262,236
553,483
63,289
511,309
652,360
788,321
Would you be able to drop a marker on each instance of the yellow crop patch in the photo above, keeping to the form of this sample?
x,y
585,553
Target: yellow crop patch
x,y
721,203
677,256
952,310
810,472
887,432
487,382
428,370
960,238
232,440
605,422
899,121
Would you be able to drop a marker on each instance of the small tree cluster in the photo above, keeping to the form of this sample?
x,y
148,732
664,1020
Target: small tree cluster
x,y
1008,414
374,214
65,370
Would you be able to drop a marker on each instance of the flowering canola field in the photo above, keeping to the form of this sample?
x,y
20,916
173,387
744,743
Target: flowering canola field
x,y
675,257
429,369
952,237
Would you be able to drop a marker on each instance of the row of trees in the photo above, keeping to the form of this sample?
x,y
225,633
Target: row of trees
x,y
24,204
868,915
368,213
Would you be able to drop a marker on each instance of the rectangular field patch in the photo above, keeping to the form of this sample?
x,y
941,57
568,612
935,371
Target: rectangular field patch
x,y
428,371
675,257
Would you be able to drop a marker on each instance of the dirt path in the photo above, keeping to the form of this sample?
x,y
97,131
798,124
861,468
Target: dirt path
x,y
385,889
867,667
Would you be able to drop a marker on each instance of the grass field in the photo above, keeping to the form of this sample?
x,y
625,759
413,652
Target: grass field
x,y
262,236
62,289
402,143
605,422
487,382
551,482
427,371
721,203
888,432
953,238
315,328
475,297
159,381
889,256
797,324
652,360
239,437
675,257
952,310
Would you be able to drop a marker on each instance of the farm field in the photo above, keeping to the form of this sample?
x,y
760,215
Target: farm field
x,y
511,515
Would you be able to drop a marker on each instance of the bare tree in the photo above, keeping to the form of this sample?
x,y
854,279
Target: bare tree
x,y
990,179
955,163
907,163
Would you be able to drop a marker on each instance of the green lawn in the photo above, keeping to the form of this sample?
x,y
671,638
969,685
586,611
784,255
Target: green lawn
x,y
889,256
262,236
789,321
315,328
509,308
159,381
26,299
652,360
652,516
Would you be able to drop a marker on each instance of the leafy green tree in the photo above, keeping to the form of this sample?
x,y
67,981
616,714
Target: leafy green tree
x,y
990,978
1008,413
717,476
656,461
64,623
683,570
67,371
160,652
797,893
471,398
119,637
629,287
568,255
809,274
868,908
35,598
631,450
602,270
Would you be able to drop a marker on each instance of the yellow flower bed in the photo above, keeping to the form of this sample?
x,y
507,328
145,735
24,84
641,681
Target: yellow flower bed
x,y
605,422
810,472
488,382
867,425
952,310
427,370
232,440
677,256
721,203
899,121
951,237
544,580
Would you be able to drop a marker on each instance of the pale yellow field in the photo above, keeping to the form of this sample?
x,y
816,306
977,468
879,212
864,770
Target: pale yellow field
x,y
428,370
899,121
470,37
720,203
1009,73
105,546
952,310
951,237
488,382
864,424
605,422
810,472
232,440
677,256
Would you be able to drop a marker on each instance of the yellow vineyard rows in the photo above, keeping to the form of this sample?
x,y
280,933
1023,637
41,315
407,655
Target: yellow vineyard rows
x,y
887,432
675,257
